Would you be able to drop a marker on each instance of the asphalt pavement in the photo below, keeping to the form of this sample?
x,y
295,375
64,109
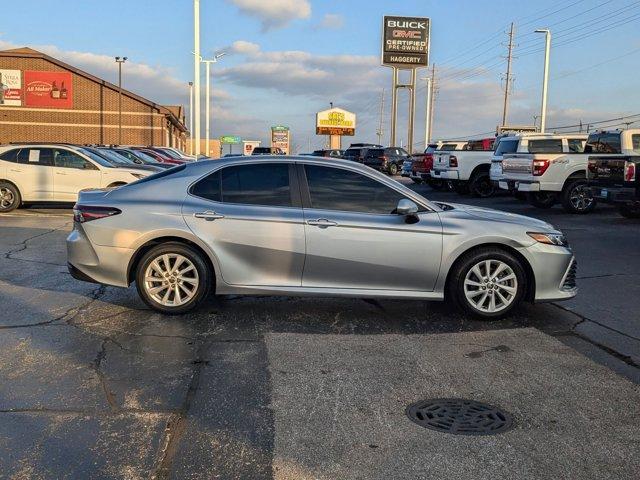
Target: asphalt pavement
x,y
95,385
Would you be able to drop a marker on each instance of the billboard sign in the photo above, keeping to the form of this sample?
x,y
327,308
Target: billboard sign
x,y
230,139
405,41
249,145
11,88
280,138
48,89
335,121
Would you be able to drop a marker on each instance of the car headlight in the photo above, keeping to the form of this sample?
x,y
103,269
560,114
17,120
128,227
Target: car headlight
x,y
550,238
138,175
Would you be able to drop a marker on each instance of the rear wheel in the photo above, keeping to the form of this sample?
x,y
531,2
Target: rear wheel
x,y
173,278
630,210
542,199
481,186
10,198
488,283
393,169
577,197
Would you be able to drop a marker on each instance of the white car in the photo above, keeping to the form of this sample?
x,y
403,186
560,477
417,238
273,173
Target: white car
x,y
41,173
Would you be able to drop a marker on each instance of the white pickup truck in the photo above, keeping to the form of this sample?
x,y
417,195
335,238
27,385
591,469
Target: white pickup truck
x,y
555,170
466,166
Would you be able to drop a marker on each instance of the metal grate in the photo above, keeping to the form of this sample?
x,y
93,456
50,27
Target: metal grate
x,y
570,277
459,416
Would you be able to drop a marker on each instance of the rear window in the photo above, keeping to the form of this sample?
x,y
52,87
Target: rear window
x,y
603,143
431,149
375,152
546,145
506,146
576,145
479,146
450,146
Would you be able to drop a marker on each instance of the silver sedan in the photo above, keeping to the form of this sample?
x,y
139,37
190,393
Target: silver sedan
x,y
310,226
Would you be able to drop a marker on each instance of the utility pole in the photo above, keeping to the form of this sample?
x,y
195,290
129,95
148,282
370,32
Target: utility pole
x,y
432,101
196,74
207,107
427,113
191,118
120,61
507,84
380,132
545,78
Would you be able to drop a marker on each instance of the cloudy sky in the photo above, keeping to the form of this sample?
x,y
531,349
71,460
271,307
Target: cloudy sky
x,y
287,59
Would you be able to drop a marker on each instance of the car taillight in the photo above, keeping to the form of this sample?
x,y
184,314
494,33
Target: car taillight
x,y
593,168
539,167
384,159
629,172
453,161
86,213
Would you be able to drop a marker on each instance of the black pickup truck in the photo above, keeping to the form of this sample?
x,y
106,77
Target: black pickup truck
x,y
616,179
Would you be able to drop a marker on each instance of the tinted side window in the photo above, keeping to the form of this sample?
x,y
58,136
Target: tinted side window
x,y
549,145
603,143
635,143
337,189
67,159
10,155
36,156
257,184
576,145
507,146
208,187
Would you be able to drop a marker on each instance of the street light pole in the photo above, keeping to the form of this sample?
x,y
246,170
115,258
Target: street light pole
x,y
120,61
190,118
427,116
196,74
207,106
545,78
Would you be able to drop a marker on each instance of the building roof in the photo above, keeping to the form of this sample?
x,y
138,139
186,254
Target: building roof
x,y
27,52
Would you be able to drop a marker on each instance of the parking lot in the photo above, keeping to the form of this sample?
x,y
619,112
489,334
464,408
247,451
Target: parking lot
x,y
96,385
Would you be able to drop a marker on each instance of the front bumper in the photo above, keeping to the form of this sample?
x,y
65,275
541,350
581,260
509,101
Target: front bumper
x,y
554,269
445,174
615,194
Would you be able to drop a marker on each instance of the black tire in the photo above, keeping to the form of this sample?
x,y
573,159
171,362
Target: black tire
x,y
10,197
480,185
630,210
542,199
416,181
393,169
435,183
456,283
520,196
461,188
576,197
205,276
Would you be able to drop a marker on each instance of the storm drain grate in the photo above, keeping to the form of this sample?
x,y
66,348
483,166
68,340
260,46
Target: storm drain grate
x,y
459,416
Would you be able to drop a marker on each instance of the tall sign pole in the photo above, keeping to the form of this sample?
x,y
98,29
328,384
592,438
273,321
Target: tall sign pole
x,y
196,74
545,78
507,84
405,46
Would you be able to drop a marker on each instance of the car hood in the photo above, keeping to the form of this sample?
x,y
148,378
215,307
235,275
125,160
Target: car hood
x,y
505,217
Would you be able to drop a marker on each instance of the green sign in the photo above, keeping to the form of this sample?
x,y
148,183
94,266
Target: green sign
x,y
279,128
230,139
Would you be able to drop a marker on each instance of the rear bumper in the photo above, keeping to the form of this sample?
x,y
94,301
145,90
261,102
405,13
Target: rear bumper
x,y
615,194
445,174
520,185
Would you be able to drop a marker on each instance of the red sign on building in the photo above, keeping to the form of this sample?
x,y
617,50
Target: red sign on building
x,y
48,89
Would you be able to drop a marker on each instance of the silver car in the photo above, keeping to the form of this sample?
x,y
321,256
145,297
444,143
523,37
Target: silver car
x,y
309,226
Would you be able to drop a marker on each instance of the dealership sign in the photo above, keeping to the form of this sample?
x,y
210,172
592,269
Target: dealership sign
x,y
11,88
48,89
280,138
335,121
405,41
230,139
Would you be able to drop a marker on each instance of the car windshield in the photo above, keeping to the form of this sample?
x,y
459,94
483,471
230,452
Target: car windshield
x,y
143,156
169,153
115,157
96,158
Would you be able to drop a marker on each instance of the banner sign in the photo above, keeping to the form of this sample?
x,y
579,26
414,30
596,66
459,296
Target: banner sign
x,y
48,89
11,88
335,121
405,41
230,139
280,138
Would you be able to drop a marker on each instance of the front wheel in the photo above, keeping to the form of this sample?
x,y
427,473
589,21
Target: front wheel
x,y
577,197
173,278
542,199
9,197
630,210
488,283
481,186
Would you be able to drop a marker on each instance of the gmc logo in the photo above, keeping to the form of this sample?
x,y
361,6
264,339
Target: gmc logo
x,y
415,34
405,24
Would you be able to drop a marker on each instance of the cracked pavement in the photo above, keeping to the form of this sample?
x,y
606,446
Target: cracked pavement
x,y
95,385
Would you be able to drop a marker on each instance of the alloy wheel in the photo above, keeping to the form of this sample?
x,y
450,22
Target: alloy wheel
x,y
581,198
6,198
490,286
171,280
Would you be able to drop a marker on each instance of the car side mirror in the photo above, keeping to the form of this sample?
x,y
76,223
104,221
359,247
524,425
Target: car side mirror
x,y
409,209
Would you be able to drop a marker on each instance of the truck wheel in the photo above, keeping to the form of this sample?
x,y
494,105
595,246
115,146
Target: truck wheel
x,y
576,197
630,210
481,186
461,188
542,199
393,169
9,197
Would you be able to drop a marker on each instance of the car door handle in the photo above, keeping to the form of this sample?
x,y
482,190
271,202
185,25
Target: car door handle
x,y
208,215
60,173
322,223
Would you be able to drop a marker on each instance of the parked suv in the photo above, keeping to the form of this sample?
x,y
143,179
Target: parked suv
x,y
267,151
388,160
55,173
330,152
357,151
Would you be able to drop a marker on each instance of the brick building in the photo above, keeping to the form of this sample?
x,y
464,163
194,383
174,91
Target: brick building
x,y
45,100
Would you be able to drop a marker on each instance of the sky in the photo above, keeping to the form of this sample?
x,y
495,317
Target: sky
x,y
287,59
